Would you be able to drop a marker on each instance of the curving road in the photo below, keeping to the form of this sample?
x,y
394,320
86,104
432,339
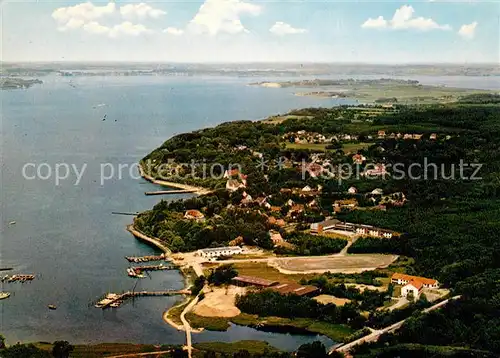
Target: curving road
x,y
373,337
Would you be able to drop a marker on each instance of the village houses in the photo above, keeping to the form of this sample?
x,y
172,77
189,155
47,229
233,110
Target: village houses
x,y
194,215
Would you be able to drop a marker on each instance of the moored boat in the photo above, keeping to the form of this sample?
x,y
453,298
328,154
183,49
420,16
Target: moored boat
x,y
4,295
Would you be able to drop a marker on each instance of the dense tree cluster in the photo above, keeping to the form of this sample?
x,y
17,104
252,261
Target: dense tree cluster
x,y
306,244
270,303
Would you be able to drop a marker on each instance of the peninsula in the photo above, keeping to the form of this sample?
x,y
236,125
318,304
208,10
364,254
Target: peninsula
x,y
378,91
16,83
285,240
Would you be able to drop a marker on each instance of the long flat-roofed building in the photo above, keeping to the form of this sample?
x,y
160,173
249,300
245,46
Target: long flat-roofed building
x,y
253,281
293,288
220,251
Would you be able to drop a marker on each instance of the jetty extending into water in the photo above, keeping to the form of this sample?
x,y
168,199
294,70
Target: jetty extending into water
x,y
146,258
138,270
114,300
169,192
18,278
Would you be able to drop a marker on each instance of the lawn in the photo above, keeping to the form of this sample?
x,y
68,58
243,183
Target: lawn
x,y
174,313
105,349
309,146
337,332
354,147
209,323
253,347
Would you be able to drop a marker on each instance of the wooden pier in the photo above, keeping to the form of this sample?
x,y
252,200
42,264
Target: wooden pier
x,y
170,192
115,300
140,269
18,278
146,258
124,213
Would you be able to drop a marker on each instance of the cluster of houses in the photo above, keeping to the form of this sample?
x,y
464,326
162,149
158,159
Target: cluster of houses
x,y
304,137
415,136
282,288
331,225
413,285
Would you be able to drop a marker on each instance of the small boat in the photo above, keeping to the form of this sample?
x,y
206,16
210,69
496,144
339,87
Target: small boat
x,y
52,307
12,223
4,295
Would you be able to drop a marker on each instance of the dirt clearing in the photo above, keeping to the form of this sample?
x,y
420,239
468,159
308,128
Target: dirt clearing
x,y
220,302
326,299
344,264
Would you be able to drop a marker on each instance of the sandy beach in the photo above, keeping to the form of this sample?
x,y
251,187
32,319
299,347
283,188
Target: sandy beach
x,y
196,189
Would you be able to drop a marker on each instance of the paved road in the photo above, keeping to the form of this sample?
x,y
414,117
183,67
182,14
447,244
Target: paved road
x,y
374,336
154,354
187,326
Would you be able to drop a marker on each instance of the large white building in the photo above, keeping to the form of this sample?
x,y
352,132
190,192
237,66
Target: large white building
x,y
220,251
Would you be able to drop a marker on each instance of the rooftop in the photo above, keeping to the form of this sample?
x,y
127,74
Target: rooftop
x,y
293,288
409,278
255,281
226,248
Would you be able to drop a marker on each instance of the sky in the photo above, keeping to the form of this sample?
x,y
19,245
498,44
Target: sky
x,y
438,31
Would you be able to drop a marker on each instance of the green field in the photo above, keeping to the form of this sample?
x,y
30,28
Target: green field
x,y
253,347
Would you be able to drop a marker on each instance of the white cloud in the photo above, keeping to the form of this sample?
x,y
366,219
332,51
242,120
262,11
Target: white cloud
x,y
128,28
282,28
125,28
379,22
141,10
76,16
173,31
94,27
216,16
403,19
468,31
84,16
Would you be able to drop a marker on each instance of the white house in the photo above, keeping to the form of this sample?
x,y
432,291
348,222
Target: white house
x,y
352,190
377,191
414,288
220,251
234,184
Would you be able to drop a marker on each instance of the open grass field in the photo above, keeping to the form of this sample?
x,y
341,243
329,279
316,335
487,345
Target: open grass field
x,y
309,146
209,323
174,313
354,147
261,269
253,347
345,264
281,119
105,349
337,332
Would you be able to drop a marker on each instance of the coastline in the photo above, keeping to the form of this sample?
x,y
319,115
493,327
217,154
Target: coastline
x,y
153,241
188,303
196,189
